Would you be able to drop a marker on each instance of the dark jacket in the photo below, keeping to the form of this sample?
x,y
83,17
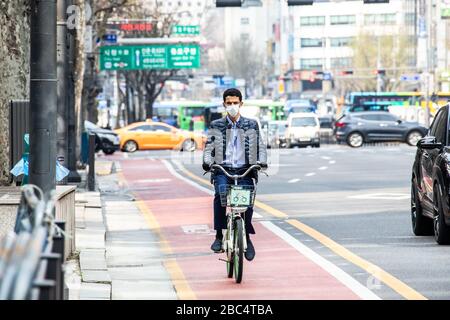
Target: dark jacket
x,y
249,135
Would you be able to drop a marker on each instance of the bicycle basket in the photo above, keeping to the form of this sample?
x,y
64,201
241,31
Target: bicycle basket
x,y
237,196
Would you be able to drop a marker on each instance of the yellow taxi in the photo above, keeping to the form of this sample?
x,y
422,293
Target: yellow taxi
x,y
152,135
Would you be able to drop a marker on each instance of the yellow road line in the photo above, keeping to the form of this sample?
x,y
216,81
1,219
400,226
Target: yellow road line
x,y
182,288
397,285
385,277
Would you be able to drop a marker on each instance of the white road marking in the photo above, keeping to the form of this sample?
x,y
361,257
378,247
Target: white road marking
x,y
293,180
326,158
310,174
332,269
153,180
323,168
256,215
381,196
332,162
125,155
343,277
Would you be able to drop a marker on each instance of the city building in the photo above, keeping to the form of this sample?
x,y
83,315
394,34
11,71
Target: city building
x,y
322,38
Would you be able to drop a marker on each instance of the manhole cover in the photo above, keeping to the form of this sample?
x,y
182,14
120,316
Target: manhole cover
x,y
197,229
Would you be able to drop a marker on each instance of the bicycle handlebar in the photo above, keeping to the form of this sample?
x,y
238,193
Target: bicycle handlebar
x,y
235,176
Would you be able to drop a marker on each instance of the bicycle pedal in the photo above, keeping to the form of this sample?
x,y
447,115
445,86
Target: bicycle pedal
x,y
223,260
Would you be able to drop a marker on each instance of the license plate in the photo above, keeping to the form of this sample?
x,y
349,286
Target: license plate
x,y
240,197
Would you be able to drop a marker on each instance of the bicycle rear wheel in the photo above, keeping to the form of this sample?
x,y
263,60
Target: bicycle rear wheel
x,y
238,251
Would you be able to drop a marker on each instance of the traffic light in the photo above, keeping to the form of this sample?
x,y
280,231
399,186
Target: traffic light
x,y
375,1
299,2
346,72
380,72
228,3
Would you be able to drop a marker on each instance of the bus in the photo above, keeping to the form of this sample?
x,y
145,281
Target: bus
x,y
382,101
264,110
213,110
299,106
191,115
167,112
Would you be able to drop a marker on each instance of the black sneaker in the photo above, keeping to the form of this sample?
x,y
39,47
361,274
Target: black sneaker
x,y
250,252
217,246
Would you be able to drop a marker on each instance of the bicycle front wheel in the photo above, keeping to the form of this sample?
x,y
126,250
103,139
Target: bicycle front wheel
x,y
230,258
238,250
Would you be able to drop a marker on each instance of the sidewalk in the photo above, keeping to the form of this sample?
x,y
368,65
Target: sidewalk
x,y
119,257
86,275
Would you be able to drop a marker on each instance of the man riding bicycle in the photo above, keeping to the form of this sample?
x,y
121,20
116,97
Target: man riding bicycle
x,y
235,143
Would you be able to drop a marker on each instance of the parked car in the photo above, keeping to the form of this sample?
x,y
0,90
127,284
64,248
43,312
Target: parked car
x,y
303,130
105,139
360,127
430,182
276,134
149,135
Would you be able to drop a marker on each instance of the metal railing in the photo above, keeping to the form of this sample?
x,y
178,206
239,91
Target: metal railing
x,y
31,257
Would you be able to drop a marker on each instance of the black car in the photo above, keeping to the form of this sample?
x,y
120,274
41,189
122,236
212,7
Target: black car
x,y
105,139
360,127
430,181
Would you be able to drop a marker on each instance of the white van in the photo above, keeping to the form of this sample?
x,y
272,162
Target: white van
x,y
303,129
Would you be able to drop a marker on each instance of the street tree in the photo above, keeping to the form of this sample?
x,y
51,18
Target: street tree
x,y
87,87
148,84
387,52
14,69
244,61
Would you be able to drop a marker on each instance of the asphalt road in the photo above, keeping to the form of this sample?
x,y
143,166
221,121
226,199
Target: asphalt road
x,y
359,198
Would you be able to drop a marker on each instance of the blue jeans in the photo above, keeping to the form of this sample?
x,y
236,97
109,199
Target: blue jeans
x,y
220,218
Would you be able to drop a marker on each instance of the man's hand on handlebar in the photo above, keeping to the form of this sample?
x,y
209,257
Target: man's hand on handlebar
x,y
262,165
206,167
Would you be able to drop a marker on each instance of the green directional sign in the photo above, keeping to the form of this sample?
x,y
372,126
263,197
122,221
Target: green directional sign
x,y
445,13
185,30
182,56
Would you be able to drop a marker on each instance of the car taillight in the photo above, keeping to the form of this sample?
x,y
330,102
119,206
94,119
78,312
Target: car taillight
x,y
340,124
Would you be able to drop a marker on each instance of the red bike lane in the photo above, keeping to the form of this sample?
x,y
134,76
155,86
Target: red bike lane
x,y
184,214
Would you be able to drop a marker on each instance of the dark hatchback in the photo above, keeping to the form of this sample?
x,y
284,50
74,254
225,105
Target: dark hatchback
x,y
106,140
430,181
360,127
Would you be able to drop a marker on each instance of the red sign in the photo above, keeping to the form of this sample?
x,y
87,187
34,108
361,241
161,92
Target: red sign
x,y
136,27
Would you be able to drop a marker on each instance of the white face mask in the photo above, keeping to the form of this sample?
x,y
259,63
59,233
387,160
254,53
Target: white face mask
x,y
233,110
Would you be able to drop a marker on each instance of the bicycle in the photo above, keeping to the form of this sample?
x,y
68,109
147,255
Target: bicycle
x,y
237,199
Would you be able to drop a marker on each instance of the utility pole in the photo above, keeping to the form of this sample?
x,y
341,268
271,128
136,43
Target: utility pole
x,y
62,72
43,95
73,177
379,80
